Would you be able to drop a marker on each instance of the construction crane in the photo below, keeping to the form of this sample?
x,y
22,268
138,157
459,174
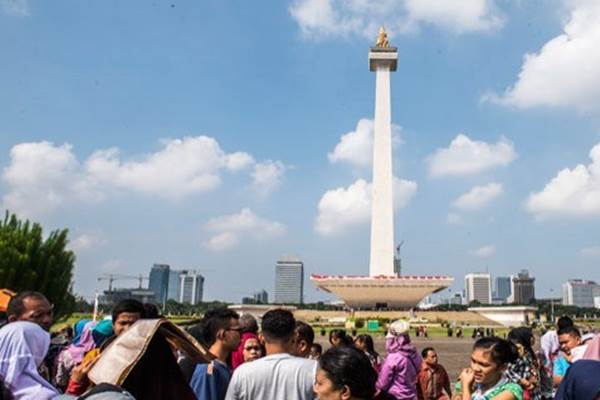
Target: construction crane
x,y
117,277
398,259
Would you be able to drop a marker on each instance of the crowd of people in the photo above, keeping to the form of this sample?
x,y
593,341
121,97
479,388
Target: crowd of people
x,y
135,354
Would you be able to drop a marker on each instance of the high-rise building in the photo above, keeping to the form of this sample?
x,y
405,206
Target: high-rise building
x,y
289,281
159,281
581,293
522,288
191,287
502,289
261,297
174,285
478,287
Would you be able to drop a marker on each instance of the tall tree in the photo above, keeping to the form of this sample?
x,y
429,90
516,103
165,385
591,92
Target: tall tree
x,y
30,262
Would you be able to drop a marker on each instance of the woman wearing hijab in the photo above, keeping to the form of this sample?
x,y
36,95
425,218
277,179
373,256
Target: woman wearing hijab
x,y
239,357
23,346
90,338
398,374
78,329
73,354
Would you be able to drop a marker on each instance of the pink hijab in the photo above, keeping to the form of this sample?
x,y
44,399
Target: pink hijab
x,y
86,343
237,357
593,349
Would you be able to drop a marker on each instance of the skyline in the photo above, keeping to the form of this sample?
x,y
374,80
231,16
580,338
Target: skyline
x,y
221,137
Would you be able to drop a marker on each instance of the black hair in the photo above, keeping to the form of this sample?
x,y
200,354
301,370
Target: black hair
x,y
502,351
68,330
305,332
318,347
5,393
278,325
128,306
214,321
340,334
197,332
348,366
564,322
524,337
368,341
248,323
16,305
569,330
426,350
151,311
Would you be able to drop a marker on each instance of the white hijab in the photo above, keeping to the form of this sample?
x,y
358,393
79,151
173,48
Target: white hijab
x,y
23,346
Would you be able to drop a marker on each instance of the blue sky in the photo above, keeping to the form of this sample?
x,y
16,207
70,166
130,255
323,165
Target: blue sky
x,y
221,135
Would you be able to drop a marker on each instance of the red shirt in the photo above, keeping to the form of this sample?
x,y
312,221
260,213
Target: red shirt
x,y
433,383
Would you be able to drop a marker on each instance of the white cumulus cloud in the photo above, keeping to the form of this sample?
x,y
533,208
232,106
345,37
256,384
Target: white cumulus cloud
x,y
465,157
484,251
343,207
356,147
572,192
478,197
42,176
267,176
330,18
565,70
228,230
222,241
86,241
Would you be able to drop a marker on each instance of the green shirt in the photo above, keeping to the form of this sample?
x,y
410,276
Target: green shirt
x,y
502,386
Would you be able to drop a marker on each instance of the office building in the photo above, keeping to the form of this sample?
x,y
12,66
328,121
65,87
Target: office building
x,y
159,281
261,297
289,281
111,297
581,293
478,287
522,288
502,289
174,285
191,286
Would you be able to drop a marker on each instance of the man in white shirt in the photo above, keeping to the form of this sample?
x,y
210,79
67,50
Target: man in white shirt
x,y
279,375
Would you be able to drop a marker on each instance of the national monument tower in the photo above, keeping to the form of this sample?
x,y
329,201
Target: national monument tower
x,y
383,288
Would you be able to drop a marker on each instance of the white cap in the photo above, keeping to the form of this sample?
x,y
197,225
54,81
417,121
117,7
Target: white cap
x,y
397,328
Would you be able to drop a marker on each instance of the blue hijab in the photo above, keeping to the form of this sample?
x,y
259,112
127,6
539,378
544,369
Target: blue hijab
x,y
581,382
78,330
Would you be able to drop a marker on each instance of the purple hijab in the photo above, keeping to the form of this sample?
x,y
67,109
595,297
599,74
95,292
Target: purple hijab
x,y
23,346
86,343
400,344
398,374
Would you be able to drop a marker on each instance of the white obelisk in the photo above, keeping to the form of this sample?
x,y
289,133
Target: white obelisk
x,y
382,60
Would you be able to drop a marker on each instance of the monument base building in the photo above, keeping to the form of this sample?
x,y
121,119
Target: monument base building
x,y
381,292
